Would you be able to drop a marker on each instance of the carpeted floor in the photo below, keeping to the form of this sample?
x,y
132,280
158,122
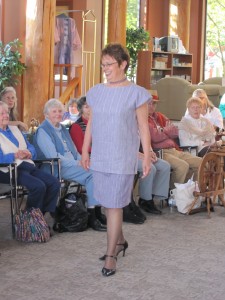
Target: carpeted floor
x,y
170,257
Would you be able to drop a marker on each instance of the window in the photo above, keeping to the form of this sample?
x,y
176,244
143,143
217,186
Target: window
x,y
215,39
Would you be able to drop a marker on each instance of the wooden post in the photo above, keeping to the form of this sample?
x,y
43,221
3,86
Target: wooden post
x,y
117,21
38,87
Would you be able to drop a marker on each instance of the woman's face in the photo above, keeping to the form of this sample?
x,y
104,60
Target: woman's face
x,y
152,107
86,111
113,72
194,110
10,99
4,117
54,115
73,109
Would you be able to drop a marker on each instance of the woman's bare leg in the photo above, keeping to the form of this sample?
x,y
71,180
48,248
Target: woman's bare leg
x,y
114,234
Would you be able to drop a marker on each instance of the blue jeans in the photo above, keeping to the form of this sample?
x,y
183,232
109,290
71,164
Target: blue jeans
x,y
43,189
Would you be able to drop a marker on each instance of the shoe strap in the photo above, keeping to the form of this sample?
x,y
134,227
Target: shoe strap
x,y
112,256
121,244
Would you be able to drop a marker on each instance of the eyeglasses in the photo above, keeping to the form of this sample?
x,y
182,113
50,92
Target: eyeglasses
x,y
4,113
108,65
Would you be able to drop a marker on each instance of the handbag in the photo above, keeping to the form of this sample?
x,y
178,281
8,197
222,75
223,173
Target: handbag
x,y
71,213
30,226
183,195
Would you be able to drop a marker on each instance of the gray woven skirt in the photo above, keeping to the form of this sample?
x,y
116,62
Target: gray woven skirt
x,y
112,190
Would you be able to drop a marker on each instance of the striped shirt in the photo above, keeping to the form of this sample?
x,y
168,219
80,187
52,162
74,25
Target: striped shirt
x,y
115,136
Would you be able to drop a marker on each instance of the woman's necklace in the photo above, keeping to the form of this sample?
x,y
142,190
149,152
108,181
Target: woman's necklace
x,y
119,81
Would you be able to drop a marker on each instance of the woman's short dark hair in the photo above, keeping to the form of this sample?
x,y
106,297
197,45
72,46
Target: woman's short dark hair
x,y
118,52
80,103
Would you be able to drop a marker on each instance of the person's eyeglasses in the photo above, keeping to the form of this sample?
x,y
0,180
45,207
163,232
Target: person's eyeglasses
x,y
108,65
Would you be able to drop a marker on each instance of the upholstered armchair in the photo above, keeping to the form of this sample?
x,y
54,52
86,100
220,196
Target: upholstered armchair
x,y
173,93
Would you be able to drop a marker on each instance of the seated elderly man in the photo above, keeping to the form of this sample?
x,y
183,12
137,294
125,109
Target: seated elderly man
x,y
43,188
163,135
52,139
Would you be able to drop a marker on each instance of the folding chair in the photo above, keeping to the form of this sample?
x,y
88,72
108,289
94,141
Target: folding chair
x,y
9,191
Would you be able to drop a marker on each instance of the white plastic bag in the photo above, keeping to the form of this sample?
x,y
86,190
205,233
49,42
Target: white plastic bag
x,y
183,195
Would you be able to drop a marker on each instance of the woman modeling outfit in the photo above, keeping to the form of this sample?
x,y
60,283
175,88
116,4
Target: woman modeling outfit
x,y
155,184
196,130
119,114
43,188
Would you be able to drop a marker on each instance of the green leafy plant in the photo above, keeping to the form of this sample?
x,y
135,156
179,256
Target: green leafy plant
x,y
136,39
11,68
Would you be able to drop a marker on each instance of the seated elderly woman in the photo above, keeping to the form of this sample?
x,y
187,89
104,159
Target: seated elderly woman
x,y
70,116
52,139
77,130
8,95
209,111
195,129
43,188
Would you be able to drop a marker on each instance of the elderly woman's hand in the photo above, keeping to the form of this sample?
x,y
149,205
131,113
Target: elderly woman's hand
x,y
153,157
22,126
23,154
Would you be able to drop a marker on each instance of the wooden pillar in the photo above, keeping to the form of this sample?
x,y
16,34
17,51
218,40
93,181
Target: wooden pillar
x,y
39,57
117,21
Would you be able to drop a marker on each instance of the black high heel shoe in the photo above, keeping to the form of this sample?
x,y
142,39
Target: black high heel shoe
x,y
125,246
108,272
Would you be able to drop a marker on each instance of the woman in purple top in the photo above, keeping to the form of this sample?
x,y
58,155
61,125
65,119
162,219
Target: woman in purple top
x,y
118,119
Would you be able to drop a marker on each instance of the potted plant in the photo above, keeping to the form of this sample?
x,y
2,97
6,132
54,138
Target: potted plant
x,y
136,39
11,68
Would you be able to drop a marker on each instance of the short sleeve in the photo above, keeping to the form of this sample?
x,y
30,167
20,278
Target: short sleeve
x,y
91,94
142,96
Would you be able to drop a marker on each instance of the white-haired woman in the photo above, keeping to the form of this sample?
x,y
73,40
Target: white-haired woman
x,y
209,111
43,188
52,139
195,129
8,95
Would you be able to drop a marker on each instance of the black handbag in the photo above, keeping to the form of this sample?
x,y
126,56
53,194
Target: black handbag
x,y
71,213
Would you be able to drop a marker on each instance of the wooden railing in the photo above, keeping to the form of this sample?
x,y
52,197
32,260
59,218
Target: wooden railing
x,y
68,85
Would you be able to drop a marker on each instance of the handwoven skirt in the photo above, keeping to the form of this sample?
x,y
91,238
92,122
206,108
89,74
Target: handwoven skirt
x,y
112,190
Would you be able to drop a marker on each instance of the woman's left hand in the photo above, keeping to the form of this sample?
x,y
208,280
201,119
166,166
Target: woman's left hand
x,y
85,161
146,166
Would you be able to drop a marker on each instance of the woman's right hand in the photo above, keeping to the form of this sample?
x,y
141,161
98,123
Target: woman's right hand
x,y
22,126
85,160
